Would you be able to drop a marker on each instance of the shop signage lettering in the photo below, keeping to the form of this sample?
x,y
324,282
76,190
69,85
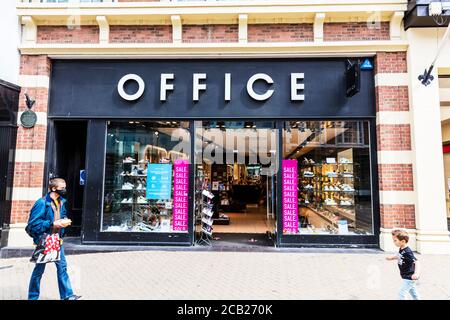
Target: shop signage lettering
x,y
199,83
290,196
180,201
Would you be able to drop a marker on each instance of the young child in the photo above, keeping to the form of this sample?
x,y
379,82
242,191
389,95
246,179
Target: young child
x,y
407,263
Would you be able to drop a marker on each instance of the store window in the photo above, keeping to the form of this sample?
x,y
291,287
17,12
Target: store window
x,y
70,1
146,177
326,178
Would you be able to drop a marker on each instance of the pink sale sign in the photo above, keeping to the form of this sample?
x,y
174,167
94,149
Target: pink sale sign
x,y
290,196
180,190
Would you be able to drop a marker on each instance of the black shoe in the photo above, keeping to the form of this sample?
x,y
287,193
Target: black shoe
x,y
73,297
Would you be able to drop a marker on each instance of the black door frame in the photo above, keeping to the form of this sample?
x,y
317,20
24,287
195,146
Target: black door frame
x,y
8,138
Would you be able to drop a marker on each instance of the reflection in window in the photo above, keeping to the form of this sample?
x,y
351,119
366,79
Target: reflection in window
x,y
333,174
140,187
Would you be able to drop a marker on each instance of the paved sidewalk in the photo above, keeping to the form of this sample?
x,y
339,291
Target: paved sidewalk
x,y
229,275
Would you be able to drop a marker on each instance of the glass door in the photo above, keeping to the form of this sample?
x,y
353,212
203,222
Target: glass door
x,y
236,164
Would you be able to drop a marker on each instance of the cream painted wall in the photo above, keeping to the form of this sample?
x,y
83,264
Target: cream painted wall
x,y
9,39
429,179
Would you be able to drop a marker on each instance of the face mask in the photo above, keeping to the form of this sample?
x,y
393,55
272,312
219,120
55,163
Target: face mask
x,y
62,192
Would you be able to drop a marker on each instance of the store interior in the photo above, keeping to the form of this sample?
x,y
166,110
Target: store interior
x,y
241,184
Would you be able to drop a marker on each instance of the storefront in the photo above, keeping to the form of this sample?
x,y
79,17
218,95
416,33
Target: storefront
x,y
141,142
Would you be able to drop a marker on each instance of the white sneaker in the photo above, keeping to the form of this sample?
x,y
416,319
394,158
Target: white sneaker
x,y
332,174
141,200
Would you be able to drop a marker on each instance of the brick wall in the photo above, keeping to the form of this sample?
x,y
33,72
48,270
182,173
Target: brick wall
x,y
210,33
289,32
35,65
354,31
64,34
40,95
394,137
30,174
140,34
395,177
23,178
392,98
390,62
397,216
20,211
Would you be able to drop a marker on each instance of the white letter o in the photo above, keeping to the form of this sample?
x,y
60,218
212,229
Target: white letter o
x,y
131,97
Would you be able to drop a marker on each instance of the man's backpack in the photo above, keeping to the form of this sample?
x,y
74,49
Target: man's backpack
x,y
28,230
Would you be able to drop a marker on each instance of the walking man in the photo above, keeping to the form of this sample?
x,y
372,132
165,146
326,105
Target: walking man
x,y
49,215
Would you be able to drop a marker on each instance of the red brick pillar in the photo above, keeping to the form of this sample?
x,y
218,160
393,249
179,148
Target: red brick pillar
x,y
395,165
30,151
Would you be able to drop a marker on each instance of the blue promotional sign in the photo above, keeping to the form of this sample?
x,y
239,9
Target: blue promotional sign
x,y
82,177
367,65
159,181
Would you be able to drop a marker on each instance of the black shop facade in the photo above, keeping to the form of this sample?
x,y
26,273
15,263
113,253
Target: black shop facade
x,y
189,152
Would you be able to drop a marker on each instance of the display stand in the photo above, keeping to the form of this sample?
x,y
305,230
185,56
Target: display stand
x,y
207,221
269,197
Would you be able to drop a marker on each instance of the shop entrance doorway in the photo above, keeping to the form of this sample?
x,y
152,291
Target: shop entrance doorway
x,y
235,180
69,163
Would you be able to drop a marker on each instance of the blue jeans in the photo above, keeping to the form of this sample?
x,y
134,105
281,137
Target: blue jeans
x,y
408,286
65,288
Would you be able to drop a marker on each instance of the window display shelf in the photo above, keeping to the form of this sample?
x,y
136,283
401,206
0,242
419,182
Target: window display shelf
x,y
323,216
134,203
326,164
341,213
327,191
134,175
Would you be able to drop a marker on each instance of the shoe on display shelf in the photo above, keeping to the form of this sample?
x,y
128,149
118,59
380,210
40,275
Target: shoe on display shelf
x,y
125,173
308,174
127,200
330,202
347,174
129,160
127,186
141,200
344,160
347,188
332,174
